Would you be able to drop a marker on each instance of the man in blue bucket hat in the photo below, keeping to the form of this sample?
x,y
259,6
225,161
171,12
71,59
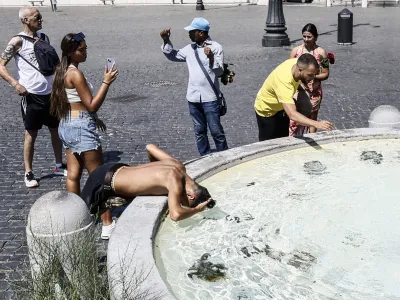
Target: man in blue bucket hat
x,y
205,61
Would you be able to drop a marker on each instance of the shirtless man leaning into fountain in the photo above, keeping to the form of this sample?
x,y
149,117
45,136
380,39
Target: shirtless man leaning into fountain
x,y
164,175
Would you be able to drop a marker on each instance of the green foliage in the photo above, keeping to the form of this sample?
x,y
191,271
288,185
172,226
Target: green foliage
x,y
69,269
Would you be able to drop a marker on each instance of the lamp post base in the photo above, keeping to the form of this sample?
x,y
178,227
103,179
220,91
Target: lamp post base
x,y
199,6
275,29
275,40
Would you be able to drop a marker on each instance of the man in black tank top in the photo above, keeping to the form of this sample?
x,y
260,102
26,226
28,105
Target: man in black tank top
x,y
114,184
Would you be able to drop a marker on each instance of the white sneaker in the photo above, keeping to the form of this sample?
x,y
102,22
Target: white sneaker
x,y
107,230
62,170
30,180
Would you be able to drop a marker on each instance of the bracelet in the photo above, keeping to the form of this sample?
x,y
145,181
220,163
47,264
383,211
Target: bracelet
x,y
106,83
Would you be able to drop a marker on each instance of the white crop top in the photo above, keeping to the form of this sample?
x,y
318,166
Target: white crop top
x,y
72,94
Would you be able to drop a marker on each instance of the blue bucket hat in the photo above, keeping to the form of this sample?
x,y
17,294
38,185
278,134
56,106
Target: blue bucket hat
x,y
198,24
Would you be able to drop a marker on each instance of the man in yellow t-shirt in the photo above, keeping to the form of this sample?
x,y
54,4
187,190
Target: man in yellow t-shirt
x,y
274,103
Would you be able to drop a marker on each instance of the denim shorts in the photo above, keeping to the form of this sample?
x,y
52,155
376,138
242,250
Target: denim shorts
x,y
78,132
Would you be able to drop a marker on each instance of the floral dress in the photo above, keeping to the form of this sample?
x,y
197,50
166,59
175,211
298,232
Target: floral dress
x,y
315,94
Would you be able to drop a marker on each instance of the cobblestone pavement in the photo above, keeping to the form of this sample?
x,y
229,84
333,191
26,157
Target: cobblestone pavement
x,y
147,102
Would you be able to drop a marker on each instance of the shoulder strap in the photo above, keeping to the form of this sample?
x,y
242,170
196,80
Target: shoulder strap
x,y
205,72
26,38
41,38
28,62
33,41
44,38
71,67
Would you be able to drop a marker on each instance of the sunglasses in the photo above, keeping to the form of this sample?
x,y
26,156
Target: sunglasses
x,y
77,38
37,17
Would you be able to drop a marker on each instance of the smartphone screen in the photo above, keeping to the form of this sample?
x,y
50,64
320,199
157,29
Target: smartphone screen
x,y
110,62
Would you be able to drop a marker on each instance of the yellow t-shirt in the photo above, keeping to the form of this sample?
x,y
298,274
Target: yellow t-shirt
x,y
278,88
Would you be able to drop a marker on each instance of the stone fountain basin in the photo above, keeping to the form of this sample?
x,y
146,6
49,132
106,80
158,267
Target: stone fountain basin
x,y
131,245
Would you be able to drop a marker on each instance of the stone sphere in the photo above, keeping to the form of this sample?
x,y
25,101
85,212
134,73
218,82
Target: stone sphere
x,y
384,116
58,213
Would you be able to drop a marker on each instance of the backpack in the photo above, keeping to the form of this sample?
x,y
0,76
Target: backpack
x,y
46,55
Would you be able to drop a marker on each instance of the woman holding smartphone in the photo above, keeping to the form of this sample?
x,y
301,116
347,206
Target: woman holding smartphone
x,y
75,106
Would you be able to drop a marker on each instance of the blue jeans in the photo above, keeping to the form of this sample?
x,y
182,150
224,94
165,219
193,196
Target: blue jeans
x,y
204,113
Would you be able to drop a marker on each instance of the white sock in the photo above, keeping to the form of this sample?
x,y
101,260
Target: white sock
x,y
112,223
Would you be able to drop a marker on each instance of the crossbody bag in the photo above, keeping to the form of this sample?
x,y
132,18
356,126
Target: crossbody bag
x,y
220,97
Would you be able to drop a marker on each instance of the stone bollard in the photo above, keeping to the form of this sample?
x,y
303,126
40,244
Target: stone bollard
x,y
56,221
384,116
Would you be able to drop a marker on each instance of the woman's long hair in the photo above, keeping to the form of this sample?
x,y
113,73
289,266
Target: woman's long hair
x,y
59,105
311,28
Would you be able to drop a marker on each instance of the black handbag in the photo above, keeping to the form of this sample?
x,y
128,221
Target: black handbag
x,y
223,108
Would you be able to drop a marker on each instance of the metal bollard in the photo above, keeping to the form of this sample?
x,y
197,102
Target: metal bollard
x,y
56,220
345,27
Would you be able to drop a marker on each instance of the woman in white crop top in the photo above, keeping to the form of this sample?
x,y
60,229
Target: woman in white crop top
x,y
75,106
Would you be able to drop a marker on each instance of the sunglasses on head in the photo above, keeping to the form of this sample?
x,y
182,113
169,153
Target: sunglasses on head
x,y
77,38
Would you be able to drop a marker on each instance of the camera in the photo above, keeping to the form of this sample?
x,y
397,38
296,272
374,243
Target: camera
x,y
211,204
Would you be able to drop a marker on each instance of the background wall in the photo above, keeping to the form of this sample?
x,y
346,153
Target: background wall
x,y
122,2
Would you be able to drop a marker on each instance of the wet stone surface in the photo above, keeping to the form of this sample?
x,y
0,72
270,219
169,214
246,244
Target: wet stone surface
x,y
206,270
314,167
372,156
301,260
244,216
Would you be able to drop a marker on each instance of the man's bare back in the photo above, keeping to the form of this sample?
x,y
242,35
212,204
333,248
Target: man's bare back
x,y
164,175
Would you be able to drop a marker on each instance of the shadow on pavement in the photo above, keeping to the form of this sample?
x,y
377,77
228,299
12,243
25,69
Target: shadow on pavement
x,y
330,32
112,156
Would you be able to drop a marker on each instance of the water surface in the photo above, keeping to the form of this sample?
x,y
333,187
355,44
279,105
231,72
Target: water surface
x,y
302,224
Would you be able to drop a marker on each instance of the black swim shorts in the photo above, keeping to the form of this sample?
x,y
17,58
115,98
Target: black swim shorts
x,y
35,111
97,189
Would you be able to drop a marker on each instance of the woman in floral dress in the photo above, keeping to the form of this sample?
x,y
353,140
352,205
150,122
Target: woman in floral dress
x,y
313,90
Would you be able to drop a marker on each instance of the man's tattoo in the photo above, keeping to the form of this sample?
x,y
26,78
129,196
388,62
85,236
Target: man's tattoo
x,y
8,52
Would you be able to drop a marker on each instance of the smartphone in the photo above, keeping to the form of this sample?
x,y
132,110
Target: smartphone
x,y
110,62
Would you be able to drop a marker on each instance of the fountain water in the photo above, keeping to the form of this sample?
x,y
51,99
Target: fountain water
x,y
300,224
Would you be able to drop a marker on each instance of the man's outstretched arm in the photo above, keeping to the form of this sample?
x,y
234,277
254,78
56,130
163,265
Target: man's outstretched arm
x,y
178,212
168,49
156,154
176,190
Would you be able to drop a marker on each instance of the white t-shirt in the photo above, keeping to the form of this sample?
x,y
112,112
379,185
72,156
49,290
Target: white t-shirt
x,y
33,81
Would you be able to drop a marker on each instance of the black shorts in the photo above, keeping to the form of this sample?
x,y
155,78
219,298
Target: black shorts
x,y
35,111
93,193
273,127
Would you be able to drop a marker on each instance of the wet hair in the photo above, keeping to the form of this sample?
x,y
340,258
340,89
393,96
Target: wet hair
x,y
311,28
201,194
306,60
59,105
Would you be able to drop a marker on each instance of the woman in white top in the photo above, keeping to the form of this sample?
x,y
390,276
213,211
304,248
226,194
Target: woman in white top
x,y
74,105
